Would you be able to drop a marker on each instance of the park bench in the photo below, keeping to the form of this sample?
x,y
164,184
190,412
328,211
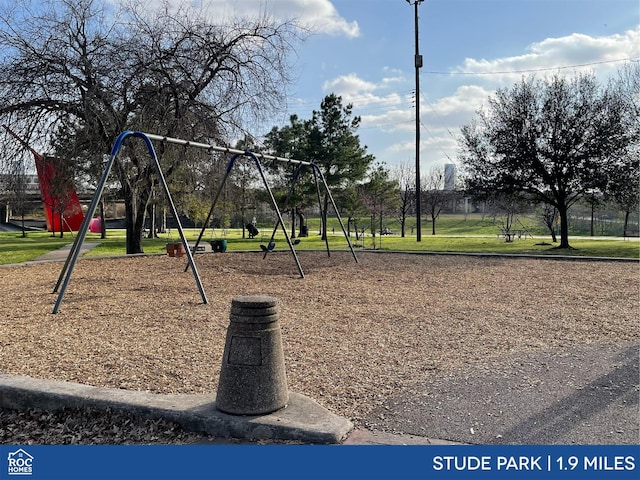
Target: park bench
x,y
509,234
631,233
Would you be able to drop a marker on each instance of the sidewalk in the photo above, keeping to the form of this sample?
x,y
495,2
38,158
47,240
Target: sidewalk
x,y
61,254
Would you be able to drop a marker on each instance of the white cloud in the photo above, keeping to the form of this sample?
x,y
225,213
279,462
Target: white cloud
x,y
465,101
348,85
318,16
378,107
558,53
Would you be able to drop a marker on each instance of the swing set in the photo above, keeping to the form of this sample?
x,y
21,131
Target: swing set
x,y
319,180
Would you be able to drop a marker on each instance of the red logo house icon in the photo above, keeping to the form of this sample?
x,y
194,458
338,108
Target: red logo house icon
x,y
19,463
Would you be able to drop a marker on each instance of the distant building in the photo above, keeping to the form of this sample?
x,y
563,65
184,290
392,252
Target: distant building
x,y
449,176
31,185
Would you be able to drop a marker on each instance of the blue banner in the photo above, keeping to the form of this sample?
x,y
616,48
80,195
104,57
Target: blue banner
x,y
319,462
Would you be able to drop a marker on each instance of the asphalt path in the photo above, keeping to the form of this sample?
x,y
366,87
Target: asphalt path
x,y
577,395
8,227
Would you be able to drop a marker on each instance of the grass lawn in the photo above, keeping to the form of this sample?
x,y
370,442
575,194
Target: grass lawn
x,y
463,237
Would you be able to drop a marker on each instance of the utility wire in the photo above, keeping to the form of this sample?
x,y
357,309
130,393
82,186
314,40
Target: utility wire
x,y
533,70
437,143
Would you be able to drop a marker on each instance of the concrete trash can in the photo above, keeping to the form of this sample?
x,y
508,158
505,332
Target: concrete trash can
x,y
253,380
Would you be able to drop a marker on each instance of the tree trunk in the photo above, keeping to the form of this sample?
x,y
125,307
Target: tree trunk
x,y
433,225
293,223
626,220
380,239
564,226
103,226
163,221
152,223
134,223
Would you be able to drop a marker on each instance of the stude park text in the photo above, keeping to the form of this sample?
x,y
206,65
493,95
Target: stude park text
x,y
541,463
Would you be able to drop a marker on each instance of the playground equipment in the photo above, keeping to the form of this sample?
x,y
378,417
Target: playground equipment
x,y
56,190
318,180
67,269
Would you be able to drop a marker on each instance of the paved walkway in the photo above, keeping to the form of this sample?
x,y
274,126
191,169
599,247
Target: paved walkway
x,y
61,254
583,395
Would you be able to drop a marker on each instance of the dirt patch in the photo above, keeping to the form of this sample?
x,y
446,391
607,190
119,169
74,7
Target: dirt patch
x,y
354,334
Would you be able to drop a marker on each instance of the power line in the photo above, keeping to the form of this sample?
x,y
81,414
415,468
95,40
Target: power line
x,y
437,143
433,108
533,70
385,125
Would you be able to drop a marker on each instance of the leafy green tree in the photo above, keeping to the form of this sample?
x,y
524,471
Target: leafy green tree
x,y
352,206
329,140
551,139
293,184
334,146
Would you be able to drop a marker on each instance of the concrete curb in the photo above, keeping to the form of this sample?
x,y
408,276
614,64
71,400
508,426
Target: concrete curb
x,y
516,256
366,437
302,420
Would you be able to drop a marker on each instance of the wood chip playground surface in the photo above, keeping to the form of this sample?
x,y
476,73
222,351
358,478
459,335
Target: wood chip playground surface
x,y
354,334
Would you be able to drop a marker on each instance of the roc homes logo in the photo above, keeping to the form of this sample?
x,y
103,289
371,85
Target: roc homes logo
x,y
19,463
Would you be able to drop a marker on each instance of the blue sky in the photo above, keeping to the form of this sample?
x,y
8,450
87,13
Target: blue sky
x,y
363,50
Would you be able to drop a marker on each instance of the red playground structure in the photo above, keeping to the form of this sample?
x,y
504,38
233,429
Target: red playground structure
x,y
62,208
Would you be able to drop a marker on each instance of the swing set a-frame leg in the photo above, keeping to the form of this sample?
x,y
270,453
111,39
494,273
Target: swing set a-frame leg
x,y
75,250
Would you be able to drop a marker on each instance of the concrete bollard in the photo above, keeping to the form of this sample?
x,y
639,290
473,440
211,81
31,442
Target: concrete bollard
x,y
253,380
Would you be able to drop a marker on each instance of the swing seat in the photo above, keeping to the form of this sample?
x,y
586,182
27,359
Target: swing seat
x,y
219,246
253,231
268,248
296,241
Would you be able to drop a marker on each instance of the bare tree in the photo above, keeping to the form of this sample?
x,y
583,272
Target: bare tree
x,y
16,186
549,217
624,171
404,174
76,73
434,196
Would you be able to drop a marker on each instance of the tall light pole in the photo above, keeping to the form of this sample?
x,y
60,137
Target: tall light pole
x,y
418,65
